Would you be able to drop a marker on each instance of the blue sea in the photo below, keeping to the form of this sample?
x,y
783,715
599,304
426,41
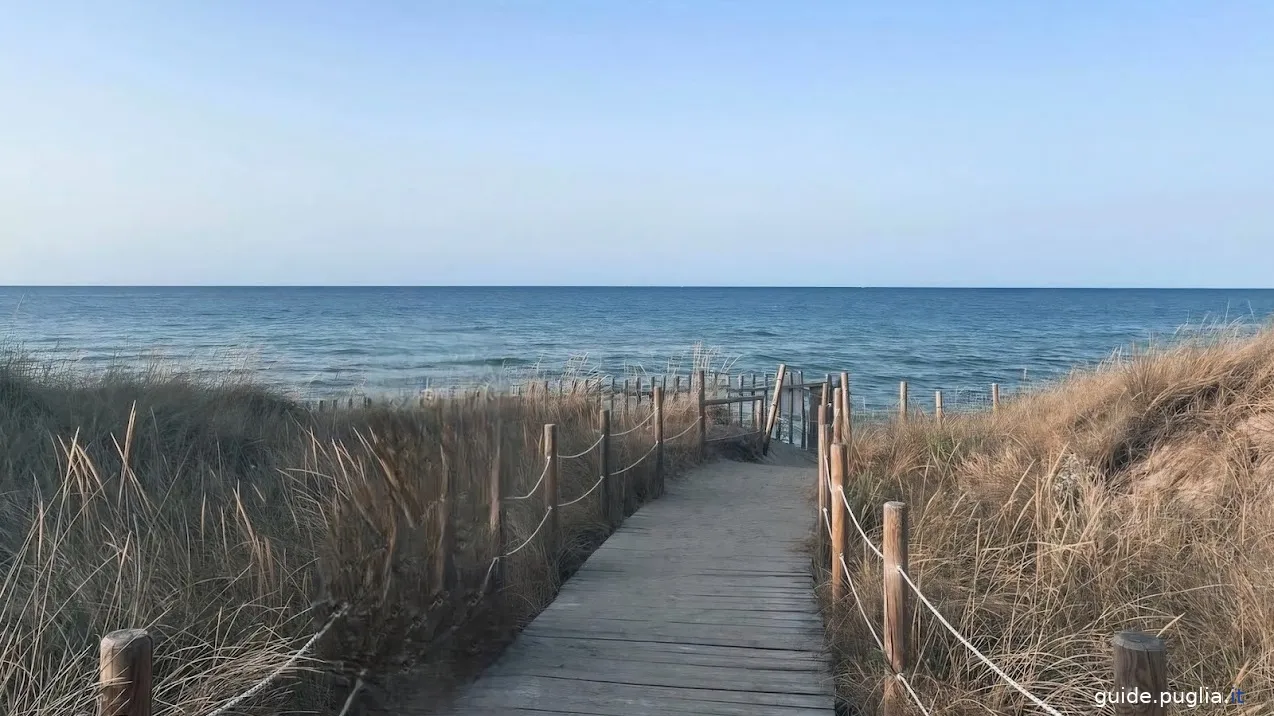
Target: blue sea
x,y
334,342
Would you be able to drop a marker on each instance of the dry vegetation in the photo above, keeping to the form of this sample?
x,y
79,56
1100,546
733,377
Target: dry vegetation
x,y
1139,495
233,523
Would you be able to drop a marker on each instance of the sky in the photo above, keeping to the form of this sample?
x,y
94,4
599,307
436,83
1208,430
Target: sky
x,y
573,142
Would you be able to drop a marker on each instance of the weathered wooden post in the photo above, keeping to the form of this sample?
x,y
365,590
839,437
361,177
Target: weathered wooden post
x,y
612,393
125,678
775,406
937,406
495,513
838,426
703,416
552,494
625,396
658,398
756,405
1141,666
995,397
897,604
840,520
740,395
902,401
805,417
846,411
637,393
824,458
603,467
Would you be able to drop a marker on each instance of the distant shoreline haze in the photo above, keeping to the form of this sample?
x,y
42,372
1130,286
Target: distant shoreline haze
x,y
333,341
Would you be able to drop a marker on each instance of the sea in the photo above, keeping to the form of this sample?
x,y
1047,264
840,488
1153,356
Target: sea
x,y
319,342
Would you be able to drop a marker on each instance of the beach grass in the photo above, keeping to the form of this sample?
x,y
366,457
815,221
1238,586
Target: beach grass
x,y
235,523
1139,495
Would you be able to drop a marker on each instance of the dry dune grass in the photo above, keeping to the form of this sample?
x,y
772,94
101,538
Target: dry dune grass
x,y
1139,495
234,523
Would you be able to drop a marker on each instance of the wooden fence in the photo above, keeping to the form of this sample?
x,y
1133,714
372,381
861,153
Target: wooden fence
x,y
1139,663
126,656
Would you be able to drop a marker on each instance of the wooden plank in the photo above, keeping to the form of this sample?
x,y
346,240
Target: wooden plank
x,y
700,603
730,401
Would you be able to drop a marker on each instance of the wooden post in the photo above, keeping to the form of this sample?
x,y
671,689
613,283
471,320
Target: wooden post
x,y
824,475
703,417
791,412
902,401
846,411
1141,666
612,393
838,426
495,513
637,392
756,407
995,397
124,673
805,422
740,395
552,495
625,396
773,415
676,384
937,406
603,468
897,604
658,397
840,520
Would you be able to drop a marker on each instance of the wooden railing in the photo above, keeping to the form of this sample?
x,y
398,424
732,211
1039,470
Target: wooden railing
x,y
125,669
1139,661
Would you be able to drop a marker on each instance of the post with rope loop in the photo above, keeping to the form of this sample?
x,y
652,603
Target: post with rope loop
x,y
902,401
897,603
552,497
846,412
495,514
124,673
838,425
657,394
840,521
937,406
603,470
824,446
703,416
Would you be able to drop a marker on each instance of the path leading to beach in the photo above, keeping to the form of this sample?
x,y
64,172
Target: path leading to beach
x,y
701,603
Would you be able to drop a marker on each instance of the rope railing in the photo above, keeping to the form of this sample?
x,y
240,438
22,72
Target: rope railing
x,y
283,668
533,490
586,450
636,427
134,646
906,578
857,525
543,520
692,426
639,460
587,492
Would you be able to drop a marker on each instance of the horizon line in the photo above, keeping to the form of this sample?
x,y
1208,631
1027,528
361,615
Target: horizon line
x,y
656,286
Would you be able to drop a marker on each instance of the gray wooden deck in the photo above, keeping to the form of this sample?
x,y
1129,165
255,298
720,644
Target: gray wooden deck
x,y
701,603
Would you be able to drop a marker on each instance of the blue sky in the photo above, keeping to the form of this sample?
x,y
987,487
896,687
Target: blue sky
x,y
666,143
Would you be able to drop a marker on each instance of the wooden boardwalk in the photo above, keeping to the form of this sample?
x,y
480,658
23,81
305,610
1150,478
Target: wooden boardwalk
x,y
701,603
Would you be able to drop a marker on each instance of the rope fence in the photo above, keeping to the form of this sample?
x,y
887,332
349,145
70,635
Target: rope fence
x,y
125,675
893,639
